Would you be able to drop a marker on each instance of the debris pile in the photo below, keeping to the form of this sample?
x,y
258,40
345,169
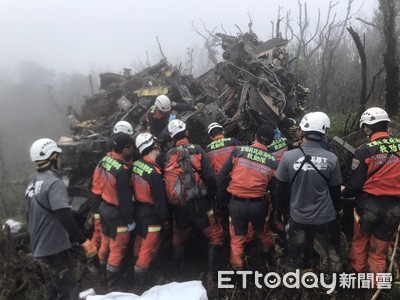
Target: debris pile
x,y
253,84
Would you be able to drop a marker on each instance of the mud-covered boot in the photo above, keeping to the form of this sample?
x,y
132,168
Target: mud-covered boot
x,y
269,256
212,269
113,277
103,274
178,259
140,278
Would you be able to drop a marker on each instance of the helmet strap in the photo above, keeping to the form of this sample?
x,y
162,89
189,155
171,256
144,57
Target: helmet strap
x,y
46,164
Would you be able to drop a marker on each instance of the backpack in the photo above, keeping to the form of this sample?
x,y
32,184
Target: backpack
x,y
180,181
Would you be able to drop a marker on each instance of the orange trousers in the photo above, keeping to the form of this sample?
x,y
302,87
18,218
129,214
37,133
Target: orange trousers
x,y
147,248
96,238
238,242
113,250
367,254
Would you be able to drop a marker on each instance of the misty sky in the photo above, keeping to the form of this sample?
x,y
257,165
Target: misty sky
x,y
71,35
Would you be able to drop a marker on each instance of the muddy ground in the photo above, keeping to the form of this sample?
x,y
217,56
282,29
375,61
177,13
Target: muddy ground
x,y
20,276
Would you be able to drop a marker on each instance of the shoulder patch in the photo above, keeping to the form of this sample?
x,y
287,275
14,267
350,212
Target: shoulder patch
x,y
354,164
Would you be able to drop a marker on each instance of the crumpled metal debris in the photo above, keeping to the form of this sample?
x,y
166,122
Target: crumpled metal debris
x,y
252,85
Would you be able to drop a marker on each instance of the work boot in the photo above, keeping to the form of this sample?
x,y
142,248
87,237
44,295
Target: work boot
x,y
212,269
269,256
113,279
140,278
214,253
103,274
178,253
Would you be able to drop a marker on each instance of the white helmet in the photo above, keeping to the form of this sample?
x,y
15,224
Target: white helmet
x,y
325,119
214,125
144,140
163,103
124,127
42,149
176,126
373,115
314,122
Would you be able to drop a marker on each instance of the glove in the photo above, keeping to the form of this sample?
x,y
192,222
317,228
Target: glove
x,y
132,226
90,249
340,213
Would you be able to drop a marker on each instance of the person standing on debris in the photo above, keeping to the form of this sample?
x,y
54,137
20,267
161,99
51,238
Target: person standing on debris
x,y
192,204
312,175
111,180
95,200
244,178
159,114
51,223
375,182
151,210
220,147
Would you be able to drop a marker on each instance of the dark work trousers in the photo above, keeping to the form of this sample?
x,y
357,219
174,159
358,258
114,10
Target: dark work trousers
x,y
243,211
200,214
60,277
301,244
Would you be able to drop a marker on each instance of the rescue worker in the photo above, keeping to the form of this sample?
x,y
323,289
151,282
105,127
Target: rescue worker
x,y
279,145
220,147
51,223
159,114
95,199
375,182
123,127
245,175
312,174
197,212
277,148
151,210
217,152
111,181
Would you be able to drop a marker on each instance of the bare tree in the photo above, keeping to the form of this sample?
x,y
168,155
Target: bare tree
x,y
161,50
189,62
211,41
363,58
390,11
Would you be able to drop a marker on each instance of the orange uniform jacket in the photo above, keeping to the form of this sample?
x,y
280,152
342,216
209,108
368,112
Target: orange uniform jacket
x,y
247,172
149,190
375,168
219,150
111,181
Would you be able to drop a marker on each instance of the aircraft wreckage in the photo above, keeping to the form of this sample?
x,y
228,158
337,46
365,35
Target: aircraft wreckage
x,y
251,85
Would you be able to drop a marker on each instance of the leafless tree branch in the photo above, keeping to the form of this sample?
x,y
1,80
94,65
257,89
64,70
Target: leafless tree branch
x,y
159,47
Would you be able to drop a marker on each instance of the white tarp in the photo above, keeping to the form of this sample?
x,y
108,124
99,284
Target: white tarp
x,y
15,226
193,290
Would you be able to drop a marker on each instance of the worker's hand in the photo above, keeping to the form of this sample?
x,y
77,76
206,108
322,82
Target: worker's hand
x,y
132,226
90,249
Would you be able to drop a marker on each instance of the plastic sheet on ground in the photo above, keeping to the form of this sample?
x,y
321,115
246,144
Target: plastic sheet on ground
x,y
15,226
193,290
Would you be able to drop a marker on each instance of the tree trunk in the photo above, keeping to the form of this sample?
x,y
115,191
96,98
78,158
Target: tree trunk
x,y
363,58
390,11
